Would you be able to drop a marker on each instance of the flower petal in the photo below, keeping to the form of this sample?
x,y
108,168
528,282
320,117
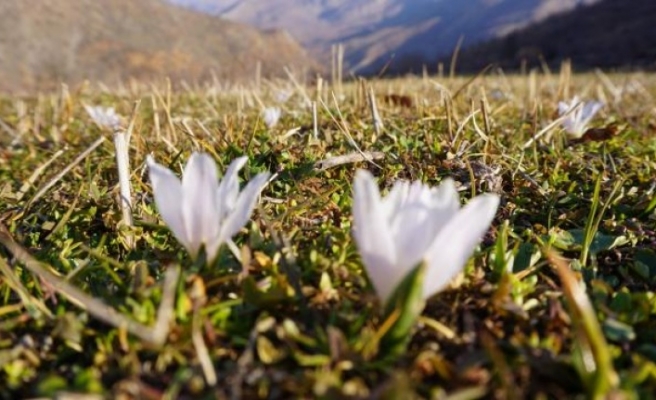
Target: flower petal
x,y
563,108
445,202
573,128
168,197
373,236
104,117
589,110
413,232
240,214
395,198
452,248
199,188
421,218
271,115
228,190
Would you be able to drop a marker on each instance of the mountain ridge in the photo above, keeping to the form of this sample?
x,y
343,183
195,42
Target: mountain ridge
x,y
608,34
382,32
45,42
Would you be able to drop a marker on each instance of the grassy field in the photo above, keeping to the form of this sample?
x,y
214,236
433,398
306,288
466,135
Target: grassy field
x,y
557,302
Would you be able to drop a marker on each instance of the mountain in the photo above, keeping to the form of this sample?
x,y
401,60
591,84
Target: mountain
x,y
608,34
43,42
378,32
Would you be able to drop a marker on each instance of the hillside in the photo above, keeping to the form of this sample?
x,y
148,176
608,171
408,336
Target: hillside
x,y
45,42
609,34
407,33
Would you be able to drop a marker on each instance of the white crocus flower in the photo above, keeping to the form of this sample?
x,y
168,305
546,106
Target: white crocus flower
x,y
104,117
200,210
271,115
415,223
281,96
578,116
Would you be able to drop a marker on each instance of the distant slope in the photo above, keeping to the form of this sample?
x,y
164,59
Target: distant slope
x,y
403,33
609,34
43,42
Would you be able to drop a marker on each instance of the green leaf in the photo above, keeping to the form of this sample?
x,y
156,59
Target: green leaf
x,y
501,258
50,385
600,241
618,331
274,295
527,256
573,240
407,301
645,264
268,352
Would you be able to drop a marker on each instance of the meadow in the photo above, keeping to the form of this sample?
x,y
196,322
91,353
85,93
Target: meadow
x,y
557,300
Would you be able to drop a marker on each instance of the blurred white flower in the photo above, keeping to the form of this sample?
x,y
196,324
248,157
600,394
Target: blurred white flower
x,y
416,223
497,94
282,95
104,117
271,115
580,115
200,210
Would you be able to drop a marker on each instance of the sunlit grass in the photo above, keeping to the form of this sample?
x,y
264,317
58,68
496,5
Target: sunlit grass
x,y
296,317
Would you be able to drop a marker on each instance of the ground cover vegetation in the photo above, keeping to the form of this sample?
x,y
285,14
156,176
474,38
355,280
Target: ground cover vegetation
x,y
97,296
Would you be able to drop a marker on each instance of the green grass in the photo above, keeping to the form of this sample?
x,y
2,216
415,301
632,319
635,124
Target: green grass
x,y
304,322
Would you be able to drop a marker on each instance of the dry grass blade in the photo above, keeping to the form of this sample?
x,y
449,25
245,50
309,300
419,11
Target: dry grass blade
x,y
599,363
202,352
503,369
244,363
15,284
375,115
133,118
544,130
64,171
343,126
348,159
470,81
35,175
121,145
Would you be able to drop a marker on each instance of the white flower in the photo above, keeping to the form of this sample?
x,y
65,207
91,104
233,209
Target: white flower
x,y
413,224
271,115
576,122
104,117
281,96
498,94
200,210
